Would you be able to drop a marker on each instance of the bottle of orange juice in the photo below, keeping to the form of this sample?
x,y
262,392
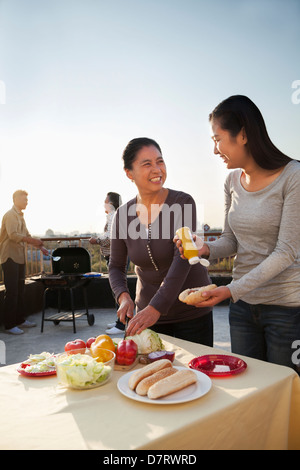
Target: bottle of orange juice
x,y
190,250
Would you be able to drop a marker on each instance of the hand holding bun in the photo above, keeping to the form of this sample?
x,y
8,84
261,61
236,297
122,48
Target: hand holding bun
x,y
193,296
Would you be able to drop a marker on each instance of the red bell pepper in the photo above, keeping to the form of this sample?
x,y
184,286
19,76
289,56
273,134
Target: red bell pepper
x,y
126,352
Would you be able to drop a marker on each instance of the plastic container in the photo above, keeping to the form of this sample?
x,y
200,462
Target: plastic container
x,y
190,250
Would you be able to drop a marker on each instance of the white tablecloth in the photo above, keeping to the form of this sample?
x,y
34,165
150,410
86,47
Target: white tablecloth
x,y
258,409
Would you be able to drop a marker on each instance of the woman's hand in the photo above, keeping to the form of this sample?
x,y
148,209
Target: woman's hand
x,y
142,320
126,307
203,249
215,296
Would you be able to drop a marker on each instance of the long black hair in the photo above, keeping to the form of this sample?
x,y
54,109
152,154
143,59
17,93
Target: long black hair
x,y
133,147
237,112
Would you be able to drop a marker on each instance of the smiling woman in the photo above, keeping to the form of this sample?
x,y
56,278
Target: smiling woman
x,y
239,129
261,229
161,273
145,166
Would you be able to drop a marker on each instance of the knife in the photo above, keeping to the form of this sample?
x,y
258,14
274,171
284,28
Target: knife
x,y
126,324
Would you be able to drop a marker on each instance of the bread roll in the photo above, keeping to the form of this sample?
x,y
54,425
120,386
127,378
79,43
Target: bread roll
x,y
193,296
144,385
172,384
150,369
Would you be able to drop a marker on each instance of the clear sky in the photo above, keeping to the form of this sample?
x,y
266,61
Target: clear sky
x,y
80,78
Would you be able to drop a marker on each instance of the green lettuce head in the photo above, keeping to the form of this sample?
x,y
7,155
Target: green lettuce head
x,y
147,341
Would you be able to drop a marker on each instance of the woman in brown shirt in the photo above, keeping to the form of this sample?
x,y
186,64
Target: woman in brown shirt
x,y
143,230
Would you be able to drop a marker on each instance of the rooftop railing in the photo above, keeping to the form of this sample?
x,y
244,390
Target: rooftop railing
x,y
37,262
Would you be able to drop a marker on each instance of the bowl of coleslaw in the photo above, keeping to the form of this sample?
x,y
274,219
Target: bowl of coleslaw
x,y
82,371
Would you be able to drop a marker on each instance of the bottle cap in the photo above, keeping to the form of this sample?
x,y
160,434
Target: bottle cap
x,y
194,260
204,262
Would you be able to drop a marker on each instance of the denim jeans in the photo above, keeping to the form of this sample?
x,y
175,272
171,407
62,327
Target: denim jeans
x,y
198,330
264,332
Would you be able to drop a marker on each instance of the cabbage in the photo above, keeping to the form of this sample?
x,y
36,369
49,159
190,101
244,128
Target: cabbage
x,y
40,367
44,357
43,362
147,341
81,370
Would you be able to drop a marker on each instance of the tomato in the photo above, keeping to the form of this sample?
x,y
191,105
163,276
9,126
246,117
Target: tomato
x,y
78,345
89,342
98,347
126,352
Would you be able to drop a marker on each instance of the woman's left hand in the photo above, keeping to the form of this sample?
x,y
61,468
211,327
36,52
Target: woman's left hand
x,y
215,296
142,320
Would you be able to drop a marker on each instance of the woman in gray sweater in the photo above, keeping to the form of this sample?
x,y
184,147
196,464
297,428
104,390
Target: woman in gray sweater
x,y
262,228
143,229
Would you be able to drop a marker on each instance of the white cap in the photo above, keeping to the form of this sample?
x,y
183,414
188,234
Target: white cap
x,y
204,262
194,260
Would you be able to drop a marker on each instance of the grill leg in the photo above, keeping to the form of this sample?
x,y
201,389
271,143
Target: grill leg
x,y
72,306
86,301
44,307
90,317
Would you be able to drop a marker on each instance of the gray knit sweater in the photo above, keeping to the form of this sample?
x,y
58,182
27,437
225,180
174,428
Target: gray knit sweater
x,y
263,229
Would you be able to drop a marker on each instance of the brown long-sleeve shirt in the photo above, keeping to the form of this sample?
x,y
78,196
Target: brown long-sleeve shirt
x,y
161,273
13,230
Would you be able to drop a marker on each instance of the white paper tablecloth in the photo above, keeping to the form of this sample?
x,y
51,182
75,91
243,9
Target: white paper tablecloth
x,y
257,409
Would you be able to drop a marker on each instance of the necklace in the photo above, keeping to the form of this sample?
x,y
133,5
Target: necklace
x,y
149,248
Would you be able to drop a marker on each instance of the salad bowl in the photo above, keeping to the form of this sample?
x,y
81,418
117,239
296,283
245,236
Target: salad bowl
x,y
81,371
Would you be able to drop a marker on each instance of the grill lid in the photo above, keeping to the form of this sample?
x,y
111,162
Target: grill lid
x,y
73,260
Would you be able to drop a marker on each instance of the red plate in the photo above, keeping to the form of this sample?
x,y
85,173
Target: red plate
x,y
218,365
22,370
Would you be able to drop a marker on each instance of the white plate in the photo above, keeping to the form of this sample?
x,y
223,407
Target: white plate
x,y
197,390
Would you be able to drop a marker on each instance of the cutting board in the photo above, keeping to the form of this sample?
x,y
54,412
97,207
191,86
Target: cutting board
x,y
126,368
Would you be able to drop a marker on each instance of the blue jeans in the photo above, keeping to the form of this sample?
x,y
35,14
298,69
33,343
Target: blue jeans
x,y
264,332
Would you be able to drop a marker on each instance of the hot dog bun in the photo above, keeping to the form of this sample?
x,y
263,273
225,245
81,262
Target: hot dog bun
x,y
144,385
172,384
193,296
146,371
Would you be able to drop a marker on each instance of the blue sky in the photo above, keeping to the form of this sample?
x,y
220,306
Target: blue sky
x,y
83,77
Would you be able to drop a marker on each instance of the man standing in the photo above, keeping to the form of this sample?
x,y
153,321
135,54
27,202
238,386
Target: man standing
x,y
13,238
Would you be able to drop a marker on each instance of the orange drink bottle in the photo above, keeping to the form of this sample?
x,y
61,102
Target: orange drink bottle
x,y
190,250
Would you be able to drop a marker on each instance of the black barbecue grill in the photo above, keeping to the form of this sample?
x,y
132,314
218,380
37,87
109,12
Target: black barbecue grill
x,y
70,272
